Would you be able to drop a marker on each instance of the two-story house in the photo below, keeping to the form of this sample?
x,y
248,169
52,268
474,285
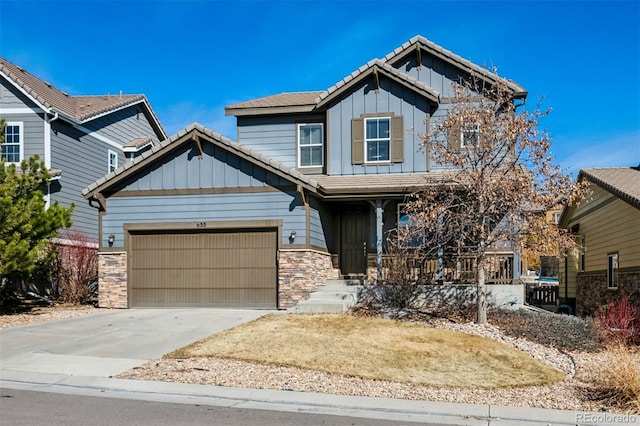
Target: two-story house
x,y
79,138
606,223
307,193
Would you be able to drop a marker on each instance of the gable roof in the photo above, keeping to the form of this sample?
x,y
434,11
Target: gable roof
x,y
425,45
376,67
78,109
310,101
623,182
195,133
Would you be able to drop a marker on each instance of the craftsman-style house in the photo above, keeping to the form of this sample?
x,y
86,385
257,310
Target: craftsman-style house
x,y
308,192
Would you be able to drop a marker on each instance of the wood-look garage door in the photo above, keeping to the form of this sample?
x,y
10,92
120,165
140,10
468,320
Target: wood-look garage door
x,y
204,269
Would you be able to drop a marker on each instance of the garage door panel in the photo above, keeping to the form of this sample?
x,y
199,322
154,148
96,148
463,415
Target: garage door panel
x,y
225,269
194,258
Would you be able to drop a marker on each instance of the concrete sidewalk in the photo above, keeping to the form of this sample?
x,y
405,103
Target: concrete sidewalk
x,y
78,356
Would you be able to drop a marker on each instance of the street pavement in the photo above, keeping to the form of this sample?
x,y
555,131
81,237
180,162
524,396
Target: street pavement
x,y
80,356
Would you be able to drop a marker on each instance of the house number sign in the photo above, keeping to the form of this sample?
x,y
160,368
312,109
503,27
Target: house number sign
x,y
201,225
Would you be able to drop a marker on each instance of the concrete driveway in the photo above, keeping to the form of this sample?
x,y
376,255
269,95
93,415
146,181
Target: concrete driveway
x,y
105,344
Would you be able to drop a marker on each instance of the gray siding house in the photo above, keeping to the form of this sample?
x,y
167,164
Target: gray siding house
x,y
79,138
308,192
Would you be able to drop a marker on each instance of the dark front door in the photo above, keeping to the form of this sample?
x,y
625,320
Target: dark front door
x,y
354,231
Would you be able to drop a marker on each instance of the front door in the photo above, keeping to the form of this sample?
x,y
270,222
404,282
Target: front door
x,y
354,231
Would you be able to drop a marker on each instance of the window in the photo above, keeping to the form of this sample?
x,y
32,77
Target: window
x,y
12,150
408,228
310,145
582,252
377,140
612,271
556,218
113,161
469,136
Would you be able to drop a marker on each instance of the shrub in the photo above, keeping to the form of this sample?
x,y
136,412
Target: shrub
x,y
619,377
75,268
619,322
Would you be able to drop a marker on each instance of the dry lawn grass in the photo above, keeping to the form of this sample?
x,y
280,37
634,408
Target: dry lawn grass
x,y
375,348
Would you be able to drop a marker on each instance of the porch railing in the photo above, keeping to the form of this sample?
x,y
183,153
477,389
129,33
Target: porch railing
x,y
455,269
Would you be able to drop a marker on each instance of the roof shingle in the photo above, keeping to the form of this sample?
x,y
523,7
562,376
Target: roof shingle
x,y
79,108
624,182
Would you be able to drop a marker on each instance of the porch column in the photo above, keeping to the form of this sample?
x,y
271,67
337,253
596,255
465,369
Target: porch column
x,y
517,265
379,241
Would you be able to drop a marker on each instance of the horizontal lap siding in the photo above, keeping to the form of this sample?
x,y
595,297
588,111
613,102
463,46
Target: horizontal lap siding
x,y
10,97
33,132
614,227
83,160
123,126
203,208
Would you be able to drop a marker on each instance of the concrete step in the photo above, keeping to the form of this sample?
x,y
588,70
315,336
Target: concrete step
x,y
324,306
334,296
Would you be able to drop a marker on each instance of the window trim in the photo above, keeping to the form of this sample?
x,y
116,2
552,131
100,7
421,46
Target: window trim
x,y
613,270
112,167
367,140
473,130
299,146
581,253
20,144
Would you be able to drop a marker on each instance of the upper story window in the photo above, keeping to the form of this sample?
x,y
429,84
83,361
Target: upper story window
x,y
310,145
612,271
469,136
113,161
377,139
12,148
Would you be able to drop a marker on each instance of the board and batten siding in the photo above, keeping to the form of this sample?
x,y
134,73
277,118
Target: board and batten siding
x,y
83,159
217,169
609,225
209,208
123,126
320,225
393,98
433,72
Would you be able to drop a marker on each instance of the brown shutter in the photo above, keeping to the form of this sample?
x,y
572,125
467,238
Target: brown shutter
x,y
357,141
397,139
454,138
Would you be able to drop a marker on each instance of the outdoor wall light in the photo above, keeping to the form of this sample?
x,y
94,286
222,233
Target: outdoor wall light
x,y
111,240
292,237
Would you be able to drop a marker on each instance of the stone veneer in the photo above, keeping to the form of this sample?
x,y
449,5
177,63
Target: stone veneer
x,y
112,280
300,272
592,291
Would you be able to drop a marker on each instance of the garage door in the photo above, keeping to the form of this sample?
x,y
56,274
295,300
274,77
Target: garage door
x,y
203,269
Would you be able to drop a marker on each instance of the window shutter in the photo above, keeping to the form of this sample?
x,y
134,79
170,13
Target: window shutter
x,y
454,138
397,139
357,141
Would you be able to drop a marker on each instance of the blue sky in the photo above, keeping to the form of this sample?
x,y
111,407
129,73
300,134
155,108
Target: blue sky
x,y
191,58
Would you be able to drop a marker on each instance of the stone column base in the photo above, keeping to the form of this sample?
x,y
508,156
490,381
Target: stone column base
x,y
300,272
112,280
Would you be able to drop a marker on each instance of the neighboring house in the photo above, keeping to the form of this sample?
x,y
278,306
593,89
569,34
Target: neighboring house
x,y
309,191
79,138
606,224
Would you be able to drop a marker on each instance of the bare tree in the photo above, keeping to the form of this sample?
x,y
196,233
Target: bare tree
x,y
500,181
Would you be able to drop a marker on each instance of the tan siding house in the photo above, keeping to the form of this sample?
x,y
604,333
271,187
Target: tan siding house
x,y
606,224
